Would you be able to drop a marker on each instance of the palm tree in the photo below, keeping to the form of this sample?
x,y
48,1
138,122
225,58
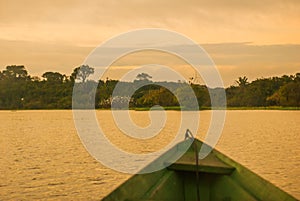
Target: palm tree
x,y
242,81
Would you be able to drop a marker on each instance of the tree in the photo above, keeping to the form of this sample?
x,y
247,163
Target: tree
x,y
286,79
15,72
202,94
290,94
53,77
82,73
35,79
297,77
1,76
143,76
242,81
186,97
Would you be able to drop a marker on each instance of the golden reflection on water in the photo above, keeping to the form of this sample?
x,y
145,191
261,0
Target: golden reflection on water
x,y
141,119
41,156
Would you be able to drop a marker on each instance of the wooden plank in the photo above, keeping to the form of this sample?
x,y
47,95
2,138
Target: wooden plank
x,y
210,164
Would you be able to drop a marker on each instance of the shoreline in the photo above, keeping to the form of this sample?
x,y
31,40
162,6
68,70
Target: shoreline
x,y
227,108
176,108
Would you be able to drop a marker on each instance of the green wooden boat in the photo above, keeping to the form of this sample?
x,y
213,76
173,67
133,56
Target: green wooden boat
x,y
215,177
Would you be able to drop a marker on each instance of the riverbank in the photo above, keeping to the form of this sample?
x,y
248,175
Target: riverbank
x,y
178,108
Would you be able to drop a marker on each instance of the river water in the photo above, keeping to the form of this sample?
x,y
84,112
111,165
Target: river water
x,y
42,157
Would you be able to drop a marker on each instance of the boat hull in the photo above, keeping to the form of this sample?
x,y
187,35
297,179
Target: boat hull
x,y
217,178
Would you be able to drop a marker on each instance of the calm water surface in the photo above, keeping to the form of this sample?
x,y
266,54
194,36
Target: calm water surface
x,y
41,156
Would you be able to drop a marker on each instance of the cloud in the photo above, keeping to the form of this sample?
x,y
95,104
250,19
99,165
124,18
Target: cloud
x,y
57,35
254,61
232,60
39,57
90,22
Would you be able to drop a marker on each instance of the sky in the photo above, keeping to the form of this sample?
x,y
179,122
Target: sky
x,y
244,38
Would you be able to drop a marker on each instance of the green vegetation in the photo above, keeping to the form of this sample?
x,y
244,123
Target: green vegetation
x,y
19,90
265,92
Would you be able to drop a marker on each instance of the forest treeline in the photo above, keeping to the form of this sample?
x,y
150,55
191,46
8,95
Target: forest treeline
x,y
19,90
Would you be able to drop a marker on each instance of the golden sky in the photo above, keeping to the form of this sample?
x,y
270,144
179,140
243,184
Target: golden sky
x,y
254,38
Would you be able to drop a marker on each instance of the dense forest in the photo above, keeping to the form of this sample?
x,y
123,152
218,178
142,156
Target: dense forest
x,y
19,90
